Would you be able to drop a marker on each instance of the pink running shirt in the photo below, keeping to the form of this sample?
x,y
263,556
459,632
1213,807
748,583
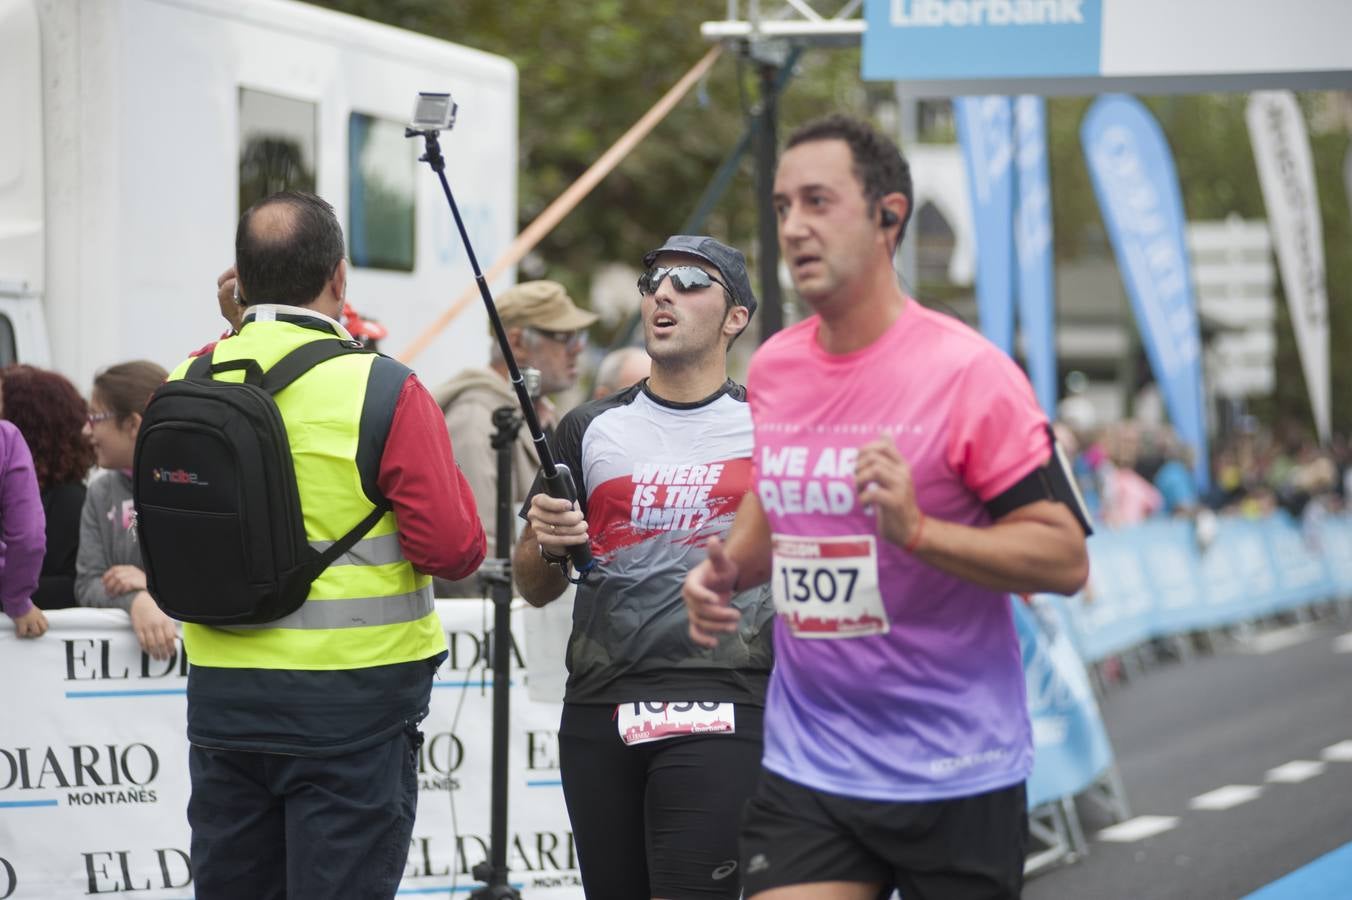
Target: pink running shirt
x,y
901,683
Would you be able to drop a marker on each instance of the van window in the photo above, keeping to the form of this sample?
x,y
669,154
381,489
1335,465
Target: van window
x,y
381,167
9,353
278,137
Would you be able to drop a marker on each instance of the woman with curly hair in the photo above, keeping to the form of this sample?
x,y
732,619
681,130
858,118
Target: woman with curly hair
x,y
109,571
50,414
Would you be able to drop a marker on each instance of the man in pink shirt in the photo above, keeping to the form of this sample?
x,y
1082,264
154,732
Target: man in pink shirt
x,y
905,484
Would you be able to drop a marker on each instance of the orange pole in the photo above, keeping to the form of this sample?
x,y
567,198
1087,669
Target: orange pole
x,y
567,201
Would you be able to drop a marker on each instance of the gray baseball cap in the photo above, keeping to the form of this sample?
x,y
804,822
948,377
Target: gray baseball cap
x,y
730,262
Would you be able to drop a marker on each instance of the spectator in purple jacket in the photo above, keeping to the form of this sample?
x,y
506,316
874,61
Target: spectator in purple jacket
x,y
22,533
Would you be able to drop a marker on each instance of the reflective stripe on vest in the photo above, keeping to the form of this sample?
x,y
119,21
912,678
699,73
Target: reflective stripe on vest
x,y
371,551
356,612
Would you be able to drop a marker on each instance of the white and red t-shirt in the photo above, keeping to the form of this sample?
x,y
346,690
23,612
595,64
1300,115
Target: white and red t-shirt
x,y
656,480
893,680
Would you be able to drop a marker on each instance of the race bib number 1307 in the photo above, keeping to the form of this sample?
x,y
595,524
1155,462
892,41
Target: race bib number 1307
x,y
828,587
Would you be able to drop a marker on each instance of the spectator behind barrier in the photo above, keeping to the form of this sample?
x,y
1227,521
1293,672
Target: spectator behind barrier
x,y
1174,479
108,570
51,414
547,332
21,533
1254,473
620,369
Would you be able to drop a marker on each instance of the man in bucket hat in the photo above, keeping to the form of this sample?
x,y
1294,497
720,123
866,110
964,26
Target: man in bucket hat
x,y
660,740
546,331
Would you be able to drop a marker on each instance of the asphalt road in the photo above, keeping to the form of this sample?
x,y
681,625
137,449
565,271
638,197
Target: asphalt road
x,y
1184,730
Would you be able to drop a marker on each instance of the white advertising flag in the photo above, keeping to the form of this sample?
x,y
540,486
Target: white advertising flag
x,y
1281,150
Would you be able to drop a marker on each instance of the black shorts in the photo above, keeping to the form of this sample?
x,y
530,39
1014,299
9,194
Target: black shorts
x,y
657,819
960,849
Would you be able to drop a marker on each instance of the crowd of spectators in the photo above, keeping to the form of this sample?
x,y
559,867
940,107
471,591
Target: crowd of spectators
x,y
1130,472
84,550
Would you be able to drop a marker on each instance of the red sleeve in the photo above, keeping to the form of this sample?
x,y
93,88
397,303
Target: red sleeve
x,y
212,346
998,433
439,528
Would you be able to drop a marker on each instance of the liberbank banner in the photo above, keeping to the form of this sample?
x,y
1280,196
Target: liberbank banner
x,y
981,38
957,47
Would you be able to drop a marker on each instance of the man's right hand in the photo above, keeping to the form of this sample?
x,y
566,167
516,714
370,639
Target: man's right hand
x,y
227,299
708,596
557,524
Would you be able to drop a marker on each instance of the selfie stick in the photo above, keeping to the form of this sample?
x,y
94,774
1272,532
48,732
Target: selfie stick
x,y
433,114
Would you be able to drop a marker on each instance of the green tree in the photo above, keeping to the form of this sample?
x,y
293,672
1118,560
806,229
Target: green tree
x,y
587,72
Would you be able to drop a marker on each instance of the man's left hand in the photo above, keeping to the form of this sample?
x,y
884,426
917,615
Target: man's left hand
x,y
882,479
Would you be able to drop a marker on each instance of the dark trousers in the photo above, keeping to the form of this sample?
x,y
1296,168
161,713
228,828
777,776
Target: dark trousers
x,y
268,826
657,819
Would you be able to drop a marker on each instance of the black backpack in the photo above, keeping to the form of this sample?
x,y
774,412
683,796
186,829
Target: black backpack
x,y
217,508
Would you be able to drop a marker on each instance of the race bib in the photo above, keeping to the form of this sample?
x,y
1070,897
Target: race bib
x,y
828,587
641,722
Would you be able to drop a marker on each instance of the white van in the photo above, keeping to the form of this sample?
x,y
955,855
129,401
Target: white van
x,y
134,132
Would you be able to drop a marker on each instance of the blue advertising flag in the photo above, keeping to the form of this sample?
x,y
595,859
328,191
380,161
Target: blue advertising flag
x,y
1033,248
1137,187
986,133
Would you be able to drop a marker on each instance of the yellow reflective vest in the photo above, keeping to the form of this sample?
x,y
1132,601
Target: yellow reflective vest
x,y
370,608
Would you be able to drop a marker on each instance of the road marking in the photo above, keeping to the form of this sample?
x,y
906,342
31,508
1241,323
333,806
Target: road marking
x,y
1296,771
1279,639
1137,829
1343,644
1228,797
1326,878
1339,752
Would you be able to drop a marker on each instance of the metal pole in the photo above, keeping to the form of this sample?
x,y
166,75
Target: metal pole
x,y
772,307
908,134
506,422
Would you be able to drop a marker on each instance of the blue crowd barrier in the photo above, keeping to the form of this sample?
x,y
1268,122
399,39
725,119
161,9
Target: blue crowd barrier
x,y
1151,581
1155,580
1070,744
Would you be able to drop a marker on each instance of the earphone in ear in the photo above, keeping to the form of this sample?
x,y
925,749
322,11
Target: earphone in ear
x,y
888,218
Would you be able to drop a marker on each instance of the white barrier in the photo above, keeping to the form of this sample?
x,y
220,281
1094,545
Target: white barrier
x,y
94,768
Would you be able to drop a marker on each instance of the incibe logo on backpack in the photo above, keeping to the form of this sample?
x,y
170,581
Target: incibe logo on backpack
x,y
177,476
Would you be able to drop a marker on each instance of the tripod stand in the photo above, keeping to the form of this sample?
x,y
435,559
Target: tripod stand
x,y
492,872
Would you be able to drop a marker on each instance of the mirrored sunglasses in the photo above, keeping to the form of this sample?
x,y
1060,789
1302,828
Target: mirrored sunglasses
x,y
683,278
